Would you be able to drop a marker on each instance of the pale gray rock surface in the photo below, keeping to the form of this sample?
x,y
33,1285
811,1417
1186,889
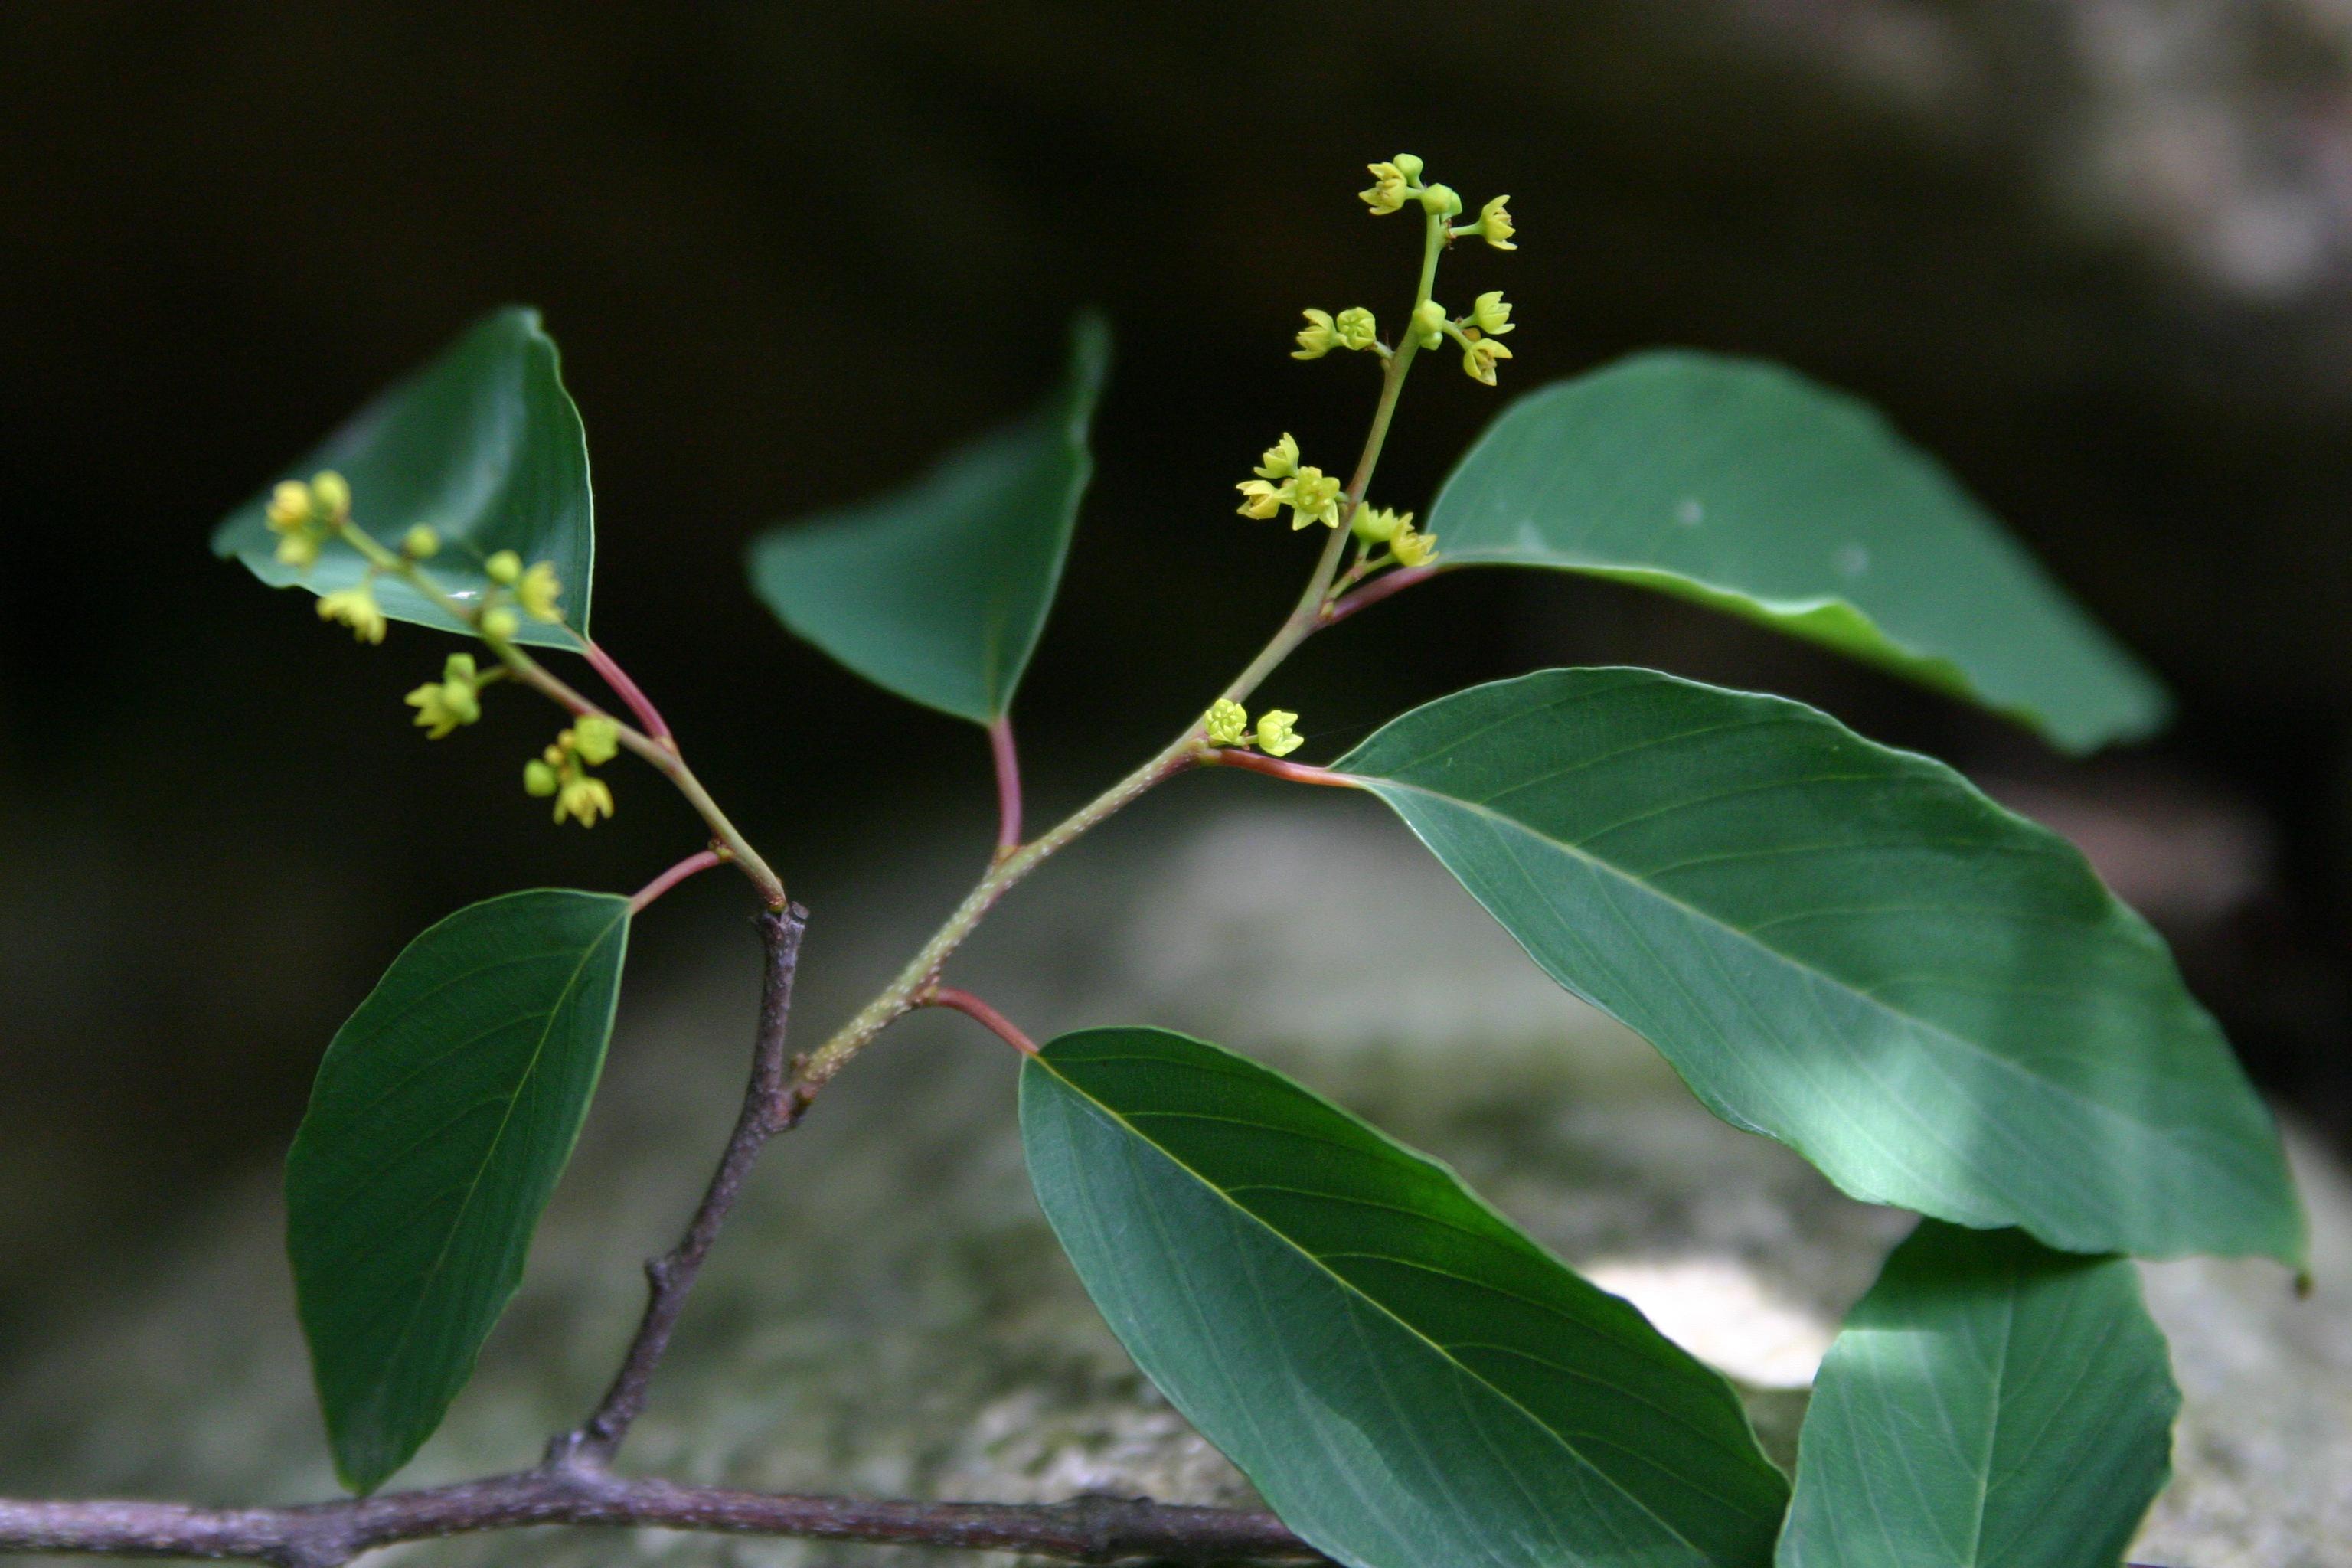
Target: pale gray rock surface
x,y
889,1314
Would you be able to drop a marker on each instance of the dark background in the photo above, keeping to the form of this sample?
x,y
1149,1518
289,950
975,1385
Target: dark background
x,y
2099,256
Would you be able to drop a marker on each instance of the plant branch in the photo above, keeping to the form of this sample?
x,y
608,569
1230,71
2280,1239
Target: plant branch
x,y
972,1007
1008,785
774,1102
693,865
1373,592
1275,767
627,690
326,1535
1306,618
659,748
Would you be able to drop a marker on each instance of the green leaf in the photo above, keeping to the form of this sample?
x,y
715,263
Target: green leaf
x,y
485,445
444,1112
939,592
1407,1378
1849,949
1749,489
1990,1404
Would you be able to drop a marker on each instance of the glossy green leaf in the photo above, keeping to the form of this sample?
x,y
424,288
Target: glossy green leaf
x,y
1850,949
485,445
444,1112
939,592
1989,1404
1749,489
1407,1378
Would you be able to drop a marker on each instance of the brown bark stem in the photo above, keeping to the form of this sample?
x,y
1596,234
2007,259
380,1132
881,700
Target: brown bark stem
x,y
774,1102
326,1535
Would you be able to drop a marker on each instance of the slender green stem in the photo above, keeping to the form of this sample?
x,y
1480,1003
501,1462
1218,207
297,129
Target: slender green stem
x,y
663,754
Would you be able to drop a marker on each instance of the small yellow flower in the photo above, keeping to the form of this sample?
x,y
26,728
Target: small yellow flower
x,y
1478,357
500,625
1440,200
1279,461
1410,546
299,549
1429,324
540,778
422,542
356,608
1378,525
1388,189
1259,498
1356,329
596,738
1276,737
1494,223
1317,337
505,568
1314,497
538,592
330,496
1492,313
289,505
1227,723
583,799
454,699
441,709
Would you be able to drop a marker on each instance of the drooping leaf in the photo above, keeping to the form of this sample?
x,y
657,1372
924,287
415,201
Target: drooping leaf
x,y
443,1114
1989,1404
484,444
1851,949
1749,489
939,592
1406,1377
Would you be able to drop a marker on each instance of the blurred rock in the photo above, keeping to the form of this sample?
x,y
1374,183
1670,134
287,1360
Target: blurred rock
x,y
890,1315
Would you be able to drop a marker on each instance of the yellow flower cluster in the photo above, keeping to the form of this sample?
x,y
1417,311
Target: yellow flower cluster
x,y
562,770
304,516
1227,723
1351,329
1408,547
456,698
1312,495
1400,178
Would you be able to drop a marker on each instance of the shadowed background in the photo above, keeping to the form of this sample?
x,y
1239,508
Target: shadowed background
x,y
2098,255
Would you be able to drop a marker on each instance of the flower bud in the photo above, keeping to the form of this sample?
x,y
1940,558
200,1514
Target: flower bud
x,y
330,495
505,568
1441,201
1355,329
1276,737
289,505
596,738
1227,723
421,543
1429,324
500,625
1492,313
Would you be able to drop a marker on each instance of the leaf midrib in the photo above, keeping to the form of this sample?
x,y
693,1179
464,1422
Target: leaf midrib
x,y
1379,784
473,1186
1348,1288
